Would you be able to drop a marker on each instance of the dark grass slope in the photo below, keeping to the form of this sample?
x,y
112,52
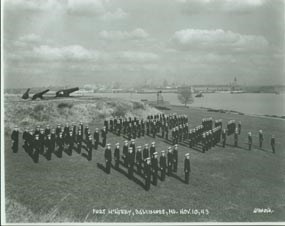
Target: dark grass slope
x,y
230,182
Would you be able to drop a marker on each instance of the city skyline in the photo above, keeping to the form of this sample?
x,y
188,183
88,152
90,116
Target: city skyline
x,y
72,43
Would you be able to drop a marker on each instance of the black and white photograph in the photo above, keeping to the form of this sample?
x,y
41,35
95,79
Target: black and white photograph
x,y
142,111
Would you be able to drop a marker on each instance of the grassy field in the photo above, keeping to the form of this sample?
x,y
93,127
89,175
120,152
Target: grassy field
x,y
230,182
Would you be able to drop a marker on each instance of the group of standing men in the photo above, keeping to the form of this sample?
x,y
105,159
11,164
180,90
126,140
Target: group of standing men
x,y
146,161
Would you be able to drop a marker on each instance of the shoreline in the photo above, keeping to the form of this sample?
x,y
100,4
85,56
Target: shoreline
x,y
224,111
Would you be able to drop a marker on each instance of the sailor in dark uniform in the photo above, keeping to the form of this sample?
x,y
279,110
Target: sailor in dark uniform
x,y
145,151
260,134
36,148
169,161
272,142
117,155
139,159
152,149
224,137
162,165
108,158
147,170
175,158
48,144
15,139
187,168
104,136
131,161
249,137
236,137
96,138
154,166
125,153
60,144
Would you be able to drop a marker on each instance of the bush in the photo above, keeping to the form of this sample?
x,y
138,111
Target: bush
x,y
120,111
137,105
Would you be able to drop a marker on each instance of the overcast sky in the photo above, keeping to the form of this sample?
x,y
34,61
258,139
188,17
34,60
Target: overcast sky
x,y
77,42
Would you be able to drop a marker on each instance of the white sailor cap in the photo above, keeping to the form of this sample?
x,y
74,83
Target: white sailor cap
x,y
155,153
187,154
117,144
153,143
169,148
162,151
146,145
176,145
108,145
139,147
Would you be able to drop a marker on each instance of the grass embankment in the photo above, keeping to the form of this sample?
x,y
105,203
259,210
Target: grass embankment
x,y
230,182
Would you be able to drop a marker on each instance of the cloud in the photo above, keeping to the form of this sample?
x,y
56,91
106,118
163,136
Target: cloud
x,y
219,40
81,8
73,52
32,5
135,34
137,56
228,6
85,7
117,14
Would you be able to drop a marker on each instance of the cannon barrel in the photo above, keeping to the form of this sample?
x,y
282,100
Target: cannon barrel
x,y
26,94
66,92
40,94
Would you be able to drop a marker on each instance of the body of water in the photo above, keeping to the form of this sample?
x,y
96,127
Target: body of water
x,y
248,103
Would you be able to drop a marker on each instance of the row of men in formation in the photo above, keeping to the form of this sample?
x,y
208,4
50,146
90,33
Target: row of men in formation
x,y
135,128
146,161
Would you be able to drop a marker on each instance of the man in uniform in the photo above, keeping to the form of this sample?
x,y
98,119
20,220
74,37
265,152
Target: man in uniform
x,y
89,147
42,141
66,130
272,142
166,131
187,169
96,138
36,148
145,151
224,137
239,127
249,140
162,165
47,130
147,170
79,141
104,136
15,140
48,144
154,166
169,161
108,158
131,161
175,158
117,155
236,137
58,130
152,149
106,125
60,144
70,142
139,159
260,133
133,145
125,153
25,138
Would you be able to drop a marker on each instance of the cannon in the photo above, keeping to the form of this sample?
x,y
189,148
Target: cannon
x,y
65,92
26,94
39,95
